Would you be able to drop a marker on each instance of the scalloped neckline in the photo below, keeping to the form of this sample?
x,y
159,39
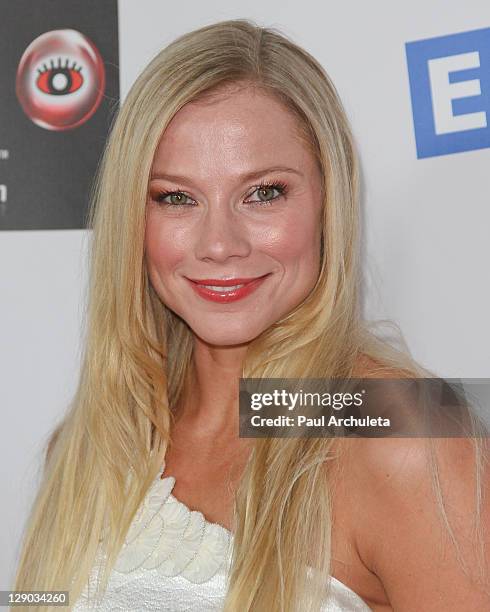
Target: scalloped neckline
x,y
230,533
175,499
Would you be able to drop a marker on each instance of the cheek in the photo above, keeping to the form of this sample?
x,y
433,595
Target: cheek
x,y
162,250
297,240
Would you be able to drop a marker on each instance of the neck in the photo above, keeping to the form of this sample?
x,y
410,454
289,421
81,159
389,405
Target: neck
x,y
211,407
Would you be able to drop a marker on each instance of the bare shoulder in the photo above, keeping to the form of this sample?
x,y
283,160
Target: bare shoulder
x,y
391,490
398,526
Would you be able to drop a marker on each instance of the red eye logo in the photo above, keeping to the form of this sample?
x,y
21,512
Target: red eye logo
x,y
60,80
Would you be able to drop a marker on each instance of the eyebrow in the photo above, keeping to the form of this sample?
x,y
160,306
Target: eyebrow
x,y
255,174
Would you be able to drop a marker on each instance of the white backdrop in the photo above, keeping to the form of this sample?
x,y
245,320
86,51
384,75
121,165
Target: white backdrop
x,y
426,220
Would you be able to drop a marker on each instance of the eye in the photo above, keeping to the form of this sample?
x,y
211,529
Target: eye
x,y
60,79
177,198
266,195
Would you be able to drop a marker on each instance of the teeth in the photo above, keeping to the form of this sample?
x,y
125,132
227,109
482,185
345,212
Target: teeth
x,y
222,289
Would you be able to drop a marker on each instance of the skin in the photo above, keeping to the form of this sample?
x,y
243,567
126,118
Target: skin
x,y
224,232
389,542
385,485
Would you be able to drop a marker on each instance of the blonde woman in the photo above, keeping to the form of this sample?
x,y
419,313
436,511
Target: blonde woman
x,y
225,245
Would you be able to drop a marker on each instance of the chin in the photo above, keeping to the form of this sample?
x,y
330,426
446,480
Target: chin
x,y
226,335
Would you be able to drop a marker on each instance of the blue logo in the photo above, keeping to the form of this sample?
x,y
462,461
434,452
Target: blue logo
x,y
450,90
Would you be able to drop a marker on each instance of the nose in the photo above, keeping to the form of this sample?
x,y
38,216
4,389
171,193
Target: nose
x,y
221,234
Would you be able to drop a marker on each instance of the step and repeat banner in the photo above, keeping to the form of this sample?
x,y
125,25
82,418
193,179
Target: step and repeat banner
x,y
59,90
59,87
415,82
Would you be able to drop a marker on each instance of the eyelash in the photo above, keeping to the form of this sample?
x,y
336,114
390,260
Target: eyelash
x,y
278,185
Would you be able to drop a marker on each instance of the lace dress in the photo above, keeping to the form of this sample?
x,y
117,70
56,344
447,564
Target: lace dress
x,y
174,560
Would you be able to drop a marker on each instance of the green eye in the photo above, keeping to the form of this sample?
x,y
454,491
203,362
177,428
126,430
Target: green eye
x,y
266,193
176,198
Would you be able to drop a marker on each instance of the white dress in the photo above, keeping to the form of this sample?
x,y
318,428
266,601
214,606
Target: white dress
x,y
174,560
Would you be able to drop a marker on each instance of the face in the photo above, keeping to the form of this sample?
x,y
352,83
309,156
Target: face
x,y
234,195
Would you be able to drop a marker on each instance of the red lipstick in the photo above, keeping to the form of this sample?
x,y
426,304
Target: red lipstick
x,y
208,288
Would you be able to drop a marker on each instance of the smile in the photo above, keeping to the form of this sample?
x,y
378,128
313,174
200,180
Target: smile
x,y
226,291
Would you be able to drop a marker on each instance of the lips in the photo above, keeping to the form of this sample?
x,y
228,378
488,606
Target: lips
x,y
238,288
230,282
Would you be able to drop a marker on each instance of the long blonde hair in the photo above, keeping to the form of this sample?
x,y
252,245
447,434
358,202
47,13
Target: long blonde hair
x,y
137,361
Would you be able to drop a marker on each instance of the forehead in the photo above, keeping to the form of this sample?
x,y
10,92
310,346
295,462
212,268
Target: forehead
x,y
238,125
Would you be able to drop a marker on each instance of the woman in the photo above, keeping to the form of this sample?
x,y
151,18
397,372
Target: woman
x,y
232,161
